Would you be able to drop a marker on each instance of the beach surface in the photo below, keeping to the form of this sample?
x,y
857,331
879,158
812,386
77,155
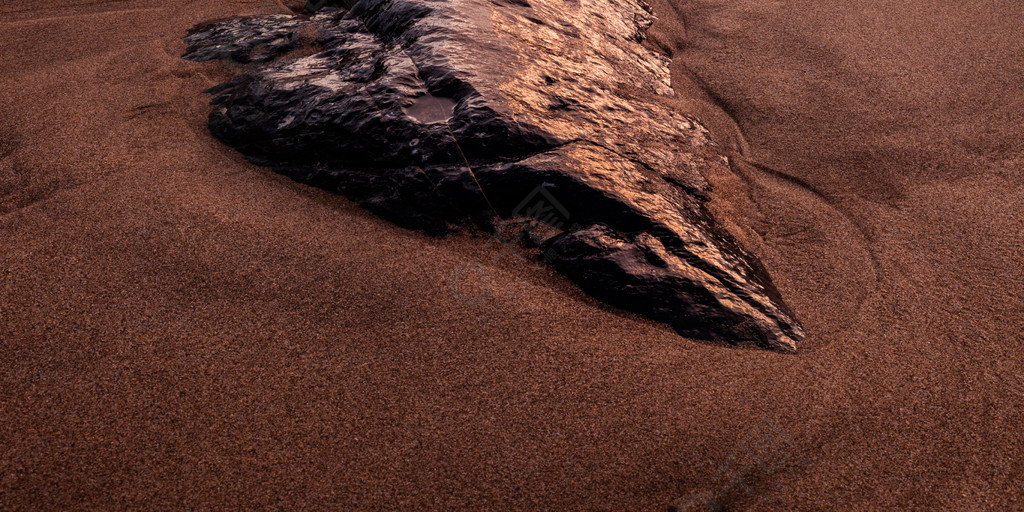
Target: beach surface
x,y
182,329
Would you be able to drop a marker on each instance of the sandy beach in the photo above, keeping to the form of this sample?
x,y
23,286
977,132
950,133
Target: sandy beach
x,y
182,329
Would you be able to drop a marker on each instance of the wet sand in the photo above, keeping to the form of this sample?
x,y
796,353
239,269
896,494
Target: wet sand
x,y
179,328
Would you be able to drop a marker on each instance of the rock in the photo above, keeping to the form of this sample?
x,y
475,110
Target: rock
x,y
255,39
438,113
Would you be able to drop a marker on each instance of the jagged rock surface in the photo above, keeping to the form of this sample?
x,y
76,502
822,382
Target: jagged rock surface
x,y
434,113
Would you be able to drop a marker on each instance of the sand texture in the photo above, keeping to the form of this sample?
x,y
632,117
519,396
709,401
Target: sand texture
x,y
182,329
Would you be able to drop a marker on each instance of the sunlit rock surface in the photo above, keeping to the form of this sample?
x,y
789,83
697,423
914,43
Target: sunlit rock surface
x,y
436,114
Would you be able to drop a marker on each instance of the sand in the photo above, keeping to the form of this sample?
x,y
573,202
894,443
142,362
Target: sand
x,y
179,328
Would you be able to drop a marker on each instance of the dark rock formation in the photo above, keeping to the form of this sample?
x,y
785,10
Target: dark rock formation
x,y
437,113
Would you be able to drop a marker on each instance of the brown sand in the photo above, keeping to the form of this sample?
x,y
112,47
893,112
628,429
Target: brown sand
x,y
179,328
